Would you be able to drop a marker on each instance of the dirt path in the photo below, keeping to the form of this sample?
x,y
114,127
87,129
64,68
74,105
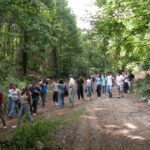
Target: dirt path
x,y
109,124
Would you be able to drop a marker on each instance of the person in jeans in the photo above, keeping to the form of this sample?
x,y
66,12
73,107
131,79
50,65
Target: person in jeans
x,y
109,80
2,117
104,84
35,92
15,98
10,98
43,86
25,100
89,88
80,88
55,92
61,93
98,84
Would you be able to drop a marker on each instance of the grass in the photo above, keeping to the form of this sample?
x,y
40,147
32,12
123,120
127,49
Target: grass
x,y
30,136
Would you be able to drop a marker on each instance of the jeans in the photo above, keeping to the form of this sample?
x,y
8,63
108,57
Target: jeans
x,y
9,105
13,108
43,96
104,89
80,93
2,115
89,91
98,90
25,108
61,100
109,89
34,104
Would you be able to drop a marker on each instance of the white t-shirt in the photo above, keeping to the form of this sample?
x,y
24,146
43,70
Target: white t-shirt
x,y
10,93
15,94
89,82
72,82
119,79
109,80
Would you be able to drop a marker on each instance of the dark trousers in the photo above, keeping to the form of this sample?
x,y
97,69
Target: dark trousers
x,y
55,96
80,93
126,87
34,104
98,90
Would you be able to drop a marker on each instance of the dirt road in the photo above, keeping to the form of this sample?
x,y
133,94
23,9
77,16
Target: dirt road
x,y
109,124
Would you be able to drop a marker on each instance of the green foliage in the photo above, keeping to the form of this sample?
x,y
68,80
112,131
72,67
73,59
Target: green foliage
x,y
27,136
143,87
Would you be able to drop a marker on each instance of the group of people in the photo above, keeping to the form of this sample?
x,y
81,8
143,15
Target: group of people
x,y
26,100
23,101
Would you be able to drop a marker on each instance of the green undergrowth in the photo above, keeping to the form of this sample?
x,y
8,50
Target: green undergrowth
x,y
32,136
143,87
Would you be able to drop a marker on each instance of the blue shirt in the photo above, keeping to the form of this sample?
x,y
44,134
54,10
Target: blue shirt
x,y
43,88
103,80
98,81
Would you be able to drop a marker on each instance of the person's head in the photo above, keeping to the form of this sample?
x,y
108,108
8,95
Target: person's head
x,y
109,73
89,77
25,90
61,81
15,86
11,85
33,83
80,77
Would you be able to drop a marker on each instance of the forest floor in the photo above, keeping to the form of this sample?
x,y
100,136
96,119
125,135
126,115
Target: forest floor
x,y
107,124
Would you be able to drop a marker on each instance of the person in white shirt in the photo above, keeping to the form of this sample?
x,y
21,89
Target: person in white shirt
x,y
89,88
109,80
15,99
120,82
10,98
71,90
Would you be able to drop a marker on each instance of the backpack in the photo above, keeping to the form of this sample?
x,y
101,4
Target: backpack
x,y
66,93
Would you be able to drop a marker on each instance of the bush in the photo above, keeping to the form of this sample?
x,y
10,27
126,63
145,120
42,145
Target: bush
x,y
143,87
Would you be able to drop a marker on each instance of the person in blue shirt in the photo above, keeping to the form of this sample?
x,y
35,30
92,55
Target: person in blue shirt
x,y
98,83
104,84
43,88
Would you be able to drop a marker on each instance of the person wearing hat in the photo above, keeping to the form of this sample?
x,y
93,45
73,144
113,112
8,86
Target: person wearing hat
x,y
71,90
2,111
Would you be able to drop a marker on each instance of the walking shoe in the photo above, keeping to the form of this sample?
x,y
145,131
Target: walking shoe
x,y
4,127
34,114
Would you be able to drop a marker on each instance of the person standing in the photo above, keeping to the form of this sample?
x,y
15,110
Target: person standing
x,y
10,98
104,84
119,82
109,80
98,84
89,88
43,90
15,100
126,83
35,92
80,88
131,81
71,90
2,116
55,92
61,93
25,100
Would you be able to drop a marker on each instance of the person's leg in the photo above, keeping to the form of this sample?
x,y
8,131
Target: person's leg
x,y
27,110
82,94
12,109
105,90
9,105
98,91
2,116
44,99
21,114
111,91
78,93
118,87
63,104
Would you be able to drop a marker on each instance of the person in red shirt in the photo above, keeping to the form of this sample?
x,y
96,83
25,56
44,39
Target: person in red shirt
x,y
2,111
